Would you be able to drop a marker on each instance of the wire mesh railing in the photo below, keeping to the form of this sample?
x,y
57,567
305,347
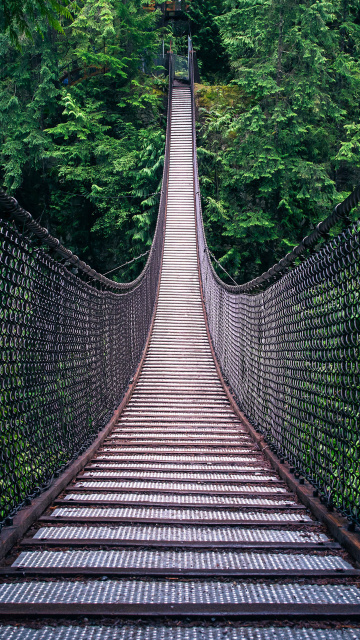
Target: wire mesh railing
x,y
70,343
69,346
291,353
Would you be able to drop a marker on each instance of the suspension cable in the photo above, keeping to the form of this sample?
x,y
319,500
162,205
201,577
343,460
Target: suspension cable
x,y
125,264
221,267
11,207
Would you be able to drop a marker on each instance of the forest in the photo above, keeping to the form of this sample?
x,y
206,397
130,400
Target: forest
x,y
83,119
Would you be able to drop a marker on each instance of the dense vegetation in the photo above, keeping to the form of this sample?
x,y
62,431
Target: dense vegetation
x,y
82,122
83,128
280,135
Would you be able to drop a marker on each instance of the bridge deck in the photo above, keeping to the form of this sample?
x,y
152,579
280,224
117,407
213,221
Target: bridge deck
x,y
178,514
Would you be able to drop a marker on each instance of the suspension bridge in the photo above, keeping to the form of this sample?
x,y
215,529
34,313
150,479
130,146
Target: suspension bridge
x,y
180,457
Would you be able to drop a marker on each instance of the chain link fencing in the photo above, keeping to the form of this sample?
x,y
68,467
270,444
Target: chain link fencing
x,y
291,353
70,342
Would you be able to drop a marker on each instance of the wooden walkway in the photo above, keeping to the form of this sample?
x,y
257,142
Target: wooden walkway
x,y
178,516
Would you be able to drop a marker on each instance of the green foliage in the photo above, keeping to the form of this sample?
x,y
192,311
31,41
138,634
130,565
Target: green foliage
x,y
284,152
83,130
19,18
206,38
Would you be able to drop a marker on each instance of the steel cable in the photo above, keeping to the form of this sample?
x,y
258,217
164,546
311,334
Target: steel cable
x,y
70,345
291,352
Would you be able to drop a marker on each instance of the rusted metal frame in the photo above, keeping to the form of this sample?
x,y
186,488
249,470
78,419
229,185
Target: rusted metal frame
x,y
172,383
185,448
189,376
23,520
255,612
181,442
9,536
151,413
213,492
220,451
175,422
149,407
89,498
175,393
127,431
136,418
108,473
89,469
171,450
295,525
212,443
106,543
168,479
163,503
204,442
243,574
177,463
336,524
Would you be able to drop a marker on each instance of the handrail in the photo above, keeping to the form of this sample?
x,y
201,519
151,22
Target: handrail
x,y
339,213
69,349
290,352
10,207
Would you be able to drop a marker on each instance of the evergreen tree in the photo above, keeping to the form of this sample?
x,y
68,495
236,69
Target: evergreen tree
x,y
19,18
281,151
82,125
206,39
83,130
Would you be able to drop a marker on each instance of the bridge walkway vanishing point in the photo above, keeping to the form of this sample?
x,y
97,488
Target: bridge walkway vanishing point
x,y
178,527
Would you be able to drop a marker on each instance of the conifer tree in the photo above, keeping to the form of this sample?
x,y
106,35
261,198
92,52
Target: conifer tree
x,y
18,18
279,149
82,130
